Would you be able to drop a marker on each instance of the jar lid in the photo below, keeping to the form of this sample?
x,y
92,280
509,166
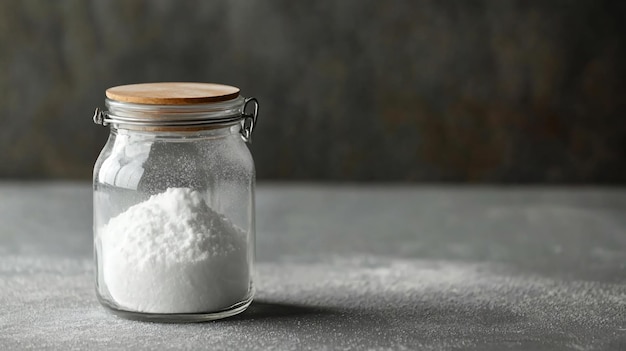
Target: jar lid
x,y
172,93
177,106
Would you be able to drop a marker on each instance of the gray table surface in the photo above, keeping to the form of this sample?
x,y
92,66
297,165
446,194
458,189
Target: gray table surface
x,y
349,267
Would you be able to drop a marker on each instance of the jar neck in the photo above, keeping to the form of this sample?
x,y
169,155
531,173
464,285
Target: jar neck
x,y
214,132
181,118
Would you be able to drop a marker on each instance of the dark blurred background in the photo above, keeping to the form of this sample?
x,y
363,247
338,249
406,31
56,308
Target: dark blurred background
x,y
462,91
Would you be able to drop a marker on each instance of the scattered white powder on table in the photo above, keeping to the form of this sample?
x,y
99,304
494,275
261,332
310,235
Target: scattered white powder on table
x,y
173,254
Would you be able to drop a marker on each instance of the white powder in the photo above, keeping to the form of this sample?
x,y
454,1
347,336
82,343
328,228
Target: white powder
x,y
174,254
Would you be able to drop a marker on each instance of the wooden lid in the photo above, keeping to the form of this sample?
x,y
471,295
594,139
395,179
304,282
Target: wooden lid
x,y
174,93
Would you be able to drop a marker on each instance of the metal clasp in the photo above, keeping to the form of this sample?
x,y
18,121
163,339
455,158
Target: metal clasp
x,y
248,120
99,117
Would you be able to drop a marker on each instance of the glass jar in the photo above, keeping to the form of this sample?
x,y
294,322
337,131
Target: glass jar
x,y
174,202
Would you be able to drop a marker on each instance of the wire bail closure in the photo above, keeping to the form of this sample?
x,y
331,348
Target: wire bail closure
x,y
99,117
248,120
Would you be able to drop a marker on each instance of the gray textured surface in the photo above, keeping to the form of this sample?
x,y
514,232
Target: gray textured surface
x,y
481,90
343,267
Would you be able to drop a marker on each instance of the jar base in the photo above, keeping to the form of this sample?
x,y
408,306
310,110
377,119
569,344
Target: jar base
x,y
178,317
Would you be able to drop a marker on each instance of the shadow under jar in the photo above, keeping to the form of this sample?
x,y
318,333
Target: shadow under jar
x,y
174,202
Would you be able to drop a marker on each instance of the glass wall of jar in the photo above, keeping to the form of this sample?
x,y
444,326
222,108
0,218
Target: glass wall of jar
x,y
174,202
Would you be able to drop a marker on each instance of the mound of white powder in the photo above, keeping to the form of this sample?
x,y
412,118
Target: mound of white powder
x,y
173,254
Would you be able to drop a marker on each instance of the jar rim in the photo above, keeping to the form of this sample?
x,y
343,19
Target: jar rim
x,y
124,113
